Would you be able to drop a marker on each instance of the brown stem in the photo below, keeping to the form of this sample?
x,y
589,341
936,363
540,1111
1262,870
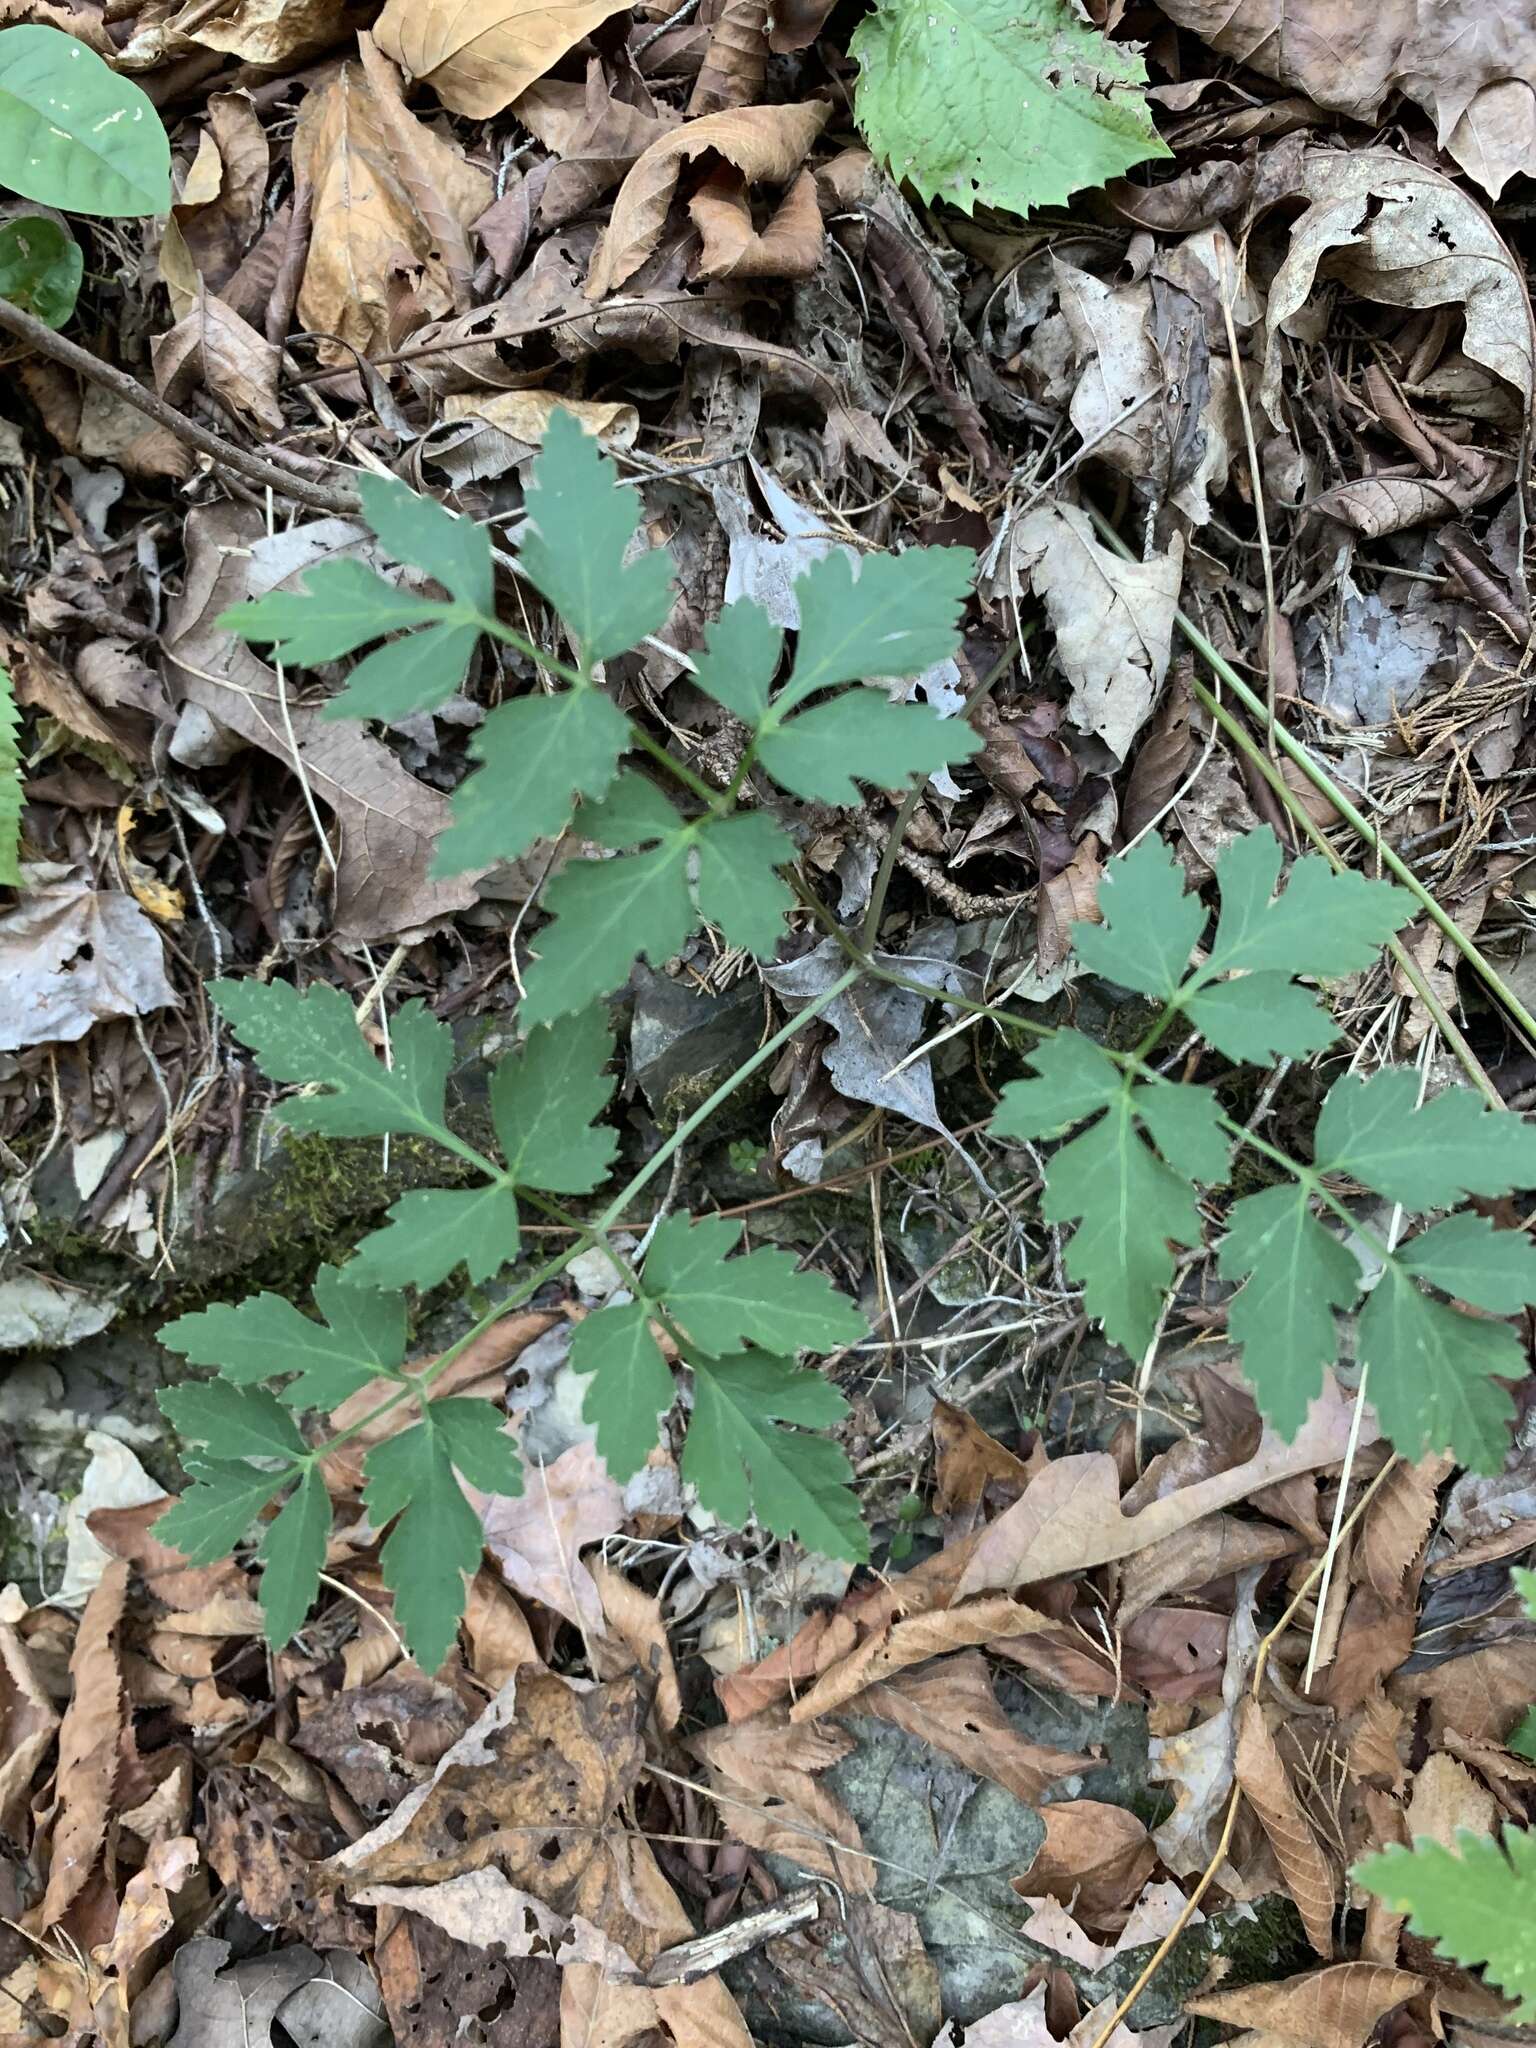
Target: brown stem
x,y
254,468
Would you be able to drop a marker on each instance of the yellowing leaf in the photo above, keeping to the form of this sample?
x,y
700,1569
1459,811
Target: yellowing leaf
x,y
479,56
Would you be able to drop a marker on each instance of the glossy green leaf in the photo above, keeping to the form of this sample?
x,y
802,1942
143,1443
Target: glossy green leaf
x,y
1424,1157
417,672
432,1231
744,1464
740,660
1296,1274
1184,1122
544,1099
341,607
453,551
40,268
540,754
76,134
631,1383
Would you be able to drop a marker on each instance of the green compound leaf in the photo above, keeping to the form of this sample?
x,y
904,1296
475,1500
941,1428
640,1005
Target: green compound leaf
x,y
1425,1158
723,1303
1150,925
1492,1269
606,912
1435,1373
540,754
631,1386
10,785
265,1336
1015,103
744,1464
1325,923
293,1552
438,1537
74,133
432,1230
40,268
235,1422
416,673
740,659
861,733
1477,1900
1074,1078
543,1102
1525,1586
217,1510
580,528
1297,1274
1184,1122
342,606
896,617
737,886
1260,1017
314,1038
416,529
1127,1205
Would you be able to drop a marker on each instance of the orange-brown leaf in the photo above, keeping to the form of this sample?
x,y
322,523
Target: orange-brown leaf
x,y
1333,2008
1267,1787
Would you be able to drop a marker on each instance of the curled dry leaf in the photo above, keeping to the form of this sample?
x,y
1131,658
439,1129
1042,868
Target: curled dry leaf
x,y
1267,1787
638,1641
1334,2008
1399,233
763,1776
214,350
537,1537
1113,619
968,1462
913,1640
596,132
952,1707
27,1724
762,143
88,1744
484,1909
789,246
1397,1524
1095,1859
1190,1558
1447,1799
478,55
736,62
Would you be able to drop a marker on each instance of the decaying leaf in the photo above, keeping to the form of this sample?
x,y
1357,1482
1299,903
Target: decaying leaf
x,y
788,246
88,1744
71,955
1095,1860
1266,1785
951,1705
1334,2008
537,1538
478,55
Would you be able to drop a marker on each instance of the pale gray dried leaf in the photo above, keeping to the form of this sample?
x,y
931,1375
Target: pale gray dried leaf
x,y
340,2007
1113,619
39,1314
234,2007
71,955
485,1909
538,1536
1378,662
876,1027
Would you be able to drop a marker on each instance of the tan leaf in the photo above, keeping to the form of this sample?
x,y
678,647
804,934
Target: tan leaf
x,y
768,1798
27,1724
951,1706
736,61
789,246
598,2014
1481,1695
88,1744
763,143
824,1641
1398,1522
1095,1859
967,1461
478,55
635,1620
1374,1749
1333,2008
525,415
385,190
596,130
218,225
273,32
214,350
1190,1558
1445,1799
1067,897
1070,1520
1267,1787
482,1908
913,1641
537,1538
1373,1641
500,1639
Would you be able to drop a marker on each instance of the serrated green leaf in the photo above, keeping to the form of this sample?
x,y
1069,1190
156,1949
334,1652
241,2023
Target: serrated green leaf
x,y
40,268
1260,1017
861,733
76,134
540,754
633,812
743,1464
1297,1274
1492,1269
476,1438
544,1099
1127,1205
580,526
631,1383
314,1038
1435,1373
434,1544
1424,1157
293,1553
1015,103
738,888
1185,1125
416,529
740,659
235,1422
1477,1900
723,1304
896,617
265,1336
433,1230
416,673
217,1510
1525,1586
1521,1740
1150,926
607,912
1073,1078
10,784
1325,923
342,606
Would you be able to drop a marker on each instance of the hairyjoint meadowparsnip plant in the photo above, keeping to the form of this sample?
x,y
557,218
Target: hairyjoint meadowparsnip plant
x,y
660,852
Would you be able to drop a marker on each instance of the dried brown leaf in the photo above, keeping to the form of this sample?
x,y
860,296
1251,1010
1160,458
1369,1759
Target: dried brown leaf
x,y
638,1640
1267,1787
1333,2008
1446,1798
736,61
214,350
537,1538
478,55
1191,1558
27,1724
1397,1525
1375,1748
1095,1859
913,1641
968,1462
484,1909
761,1772
952,1707
762,143
789,246
89,1738
1067,897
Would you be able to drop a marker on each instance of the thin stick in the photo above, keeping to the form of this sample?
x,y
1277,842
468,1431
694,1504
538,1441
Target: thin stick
x,y
270,476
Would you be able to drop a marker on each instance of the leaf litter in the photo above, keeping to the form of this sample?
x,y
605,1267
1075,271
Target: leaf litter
x,y
670,1779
